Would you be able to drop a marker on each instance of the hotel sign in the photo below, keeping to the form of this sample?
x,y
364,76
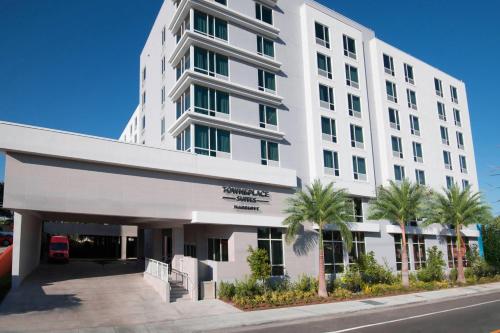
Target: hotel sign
x,y
246,198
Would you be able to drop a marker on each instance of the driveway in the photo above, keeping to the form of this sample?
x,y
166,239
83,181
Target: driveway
x,y
85,294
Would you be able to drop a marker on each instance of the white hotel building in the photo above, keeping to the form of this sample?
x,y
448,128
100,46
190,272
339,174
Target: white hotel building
x,y
241,102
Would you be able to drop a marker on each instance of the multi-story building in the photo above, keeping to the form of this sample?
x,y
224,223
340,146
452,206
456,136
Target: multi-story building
x,y
241,102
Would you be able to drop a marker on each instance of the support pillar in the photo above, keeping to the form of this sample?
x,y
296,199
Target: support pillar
x,y
140,243
178,248
26,248
123,242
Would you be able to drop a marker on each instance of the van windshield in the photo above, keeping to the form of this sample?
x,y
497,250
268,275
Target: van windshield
x,y
58,246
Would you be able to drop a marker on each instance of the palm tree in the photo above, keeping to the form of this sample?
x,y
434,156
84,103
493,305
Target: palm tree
x,y
399,203
459,208
320,205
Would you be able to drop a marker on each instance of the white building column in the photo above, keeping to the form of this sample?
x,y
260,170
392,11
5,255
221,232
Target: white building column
x,y
177,247
123,242
27,243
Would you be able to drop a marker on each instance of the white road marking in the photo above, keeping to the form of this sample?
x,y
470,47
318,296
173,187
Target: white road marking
x,y
413,317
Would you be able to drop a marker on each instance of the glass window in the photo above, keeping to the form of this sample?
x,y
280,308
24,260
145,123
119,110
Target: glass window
x,y
326,97
211,102
190,250
391,91
397,147
322,35
447,160
399,173
263,13
183,65
357,210
354,105
183,104
218,249
412,99
451,243
358,247
143,122
457,118
441,111
269,153
331,163
334,252
418,251
463,164
183,140
324,65
268,117
349,47
398,247
222,2
357,137
211,141
265,47
351,76
328,129
210,63
409,76
420,177
162,126
454,94
267,81
465,184
438,86
460,140
359,168
415,125
389,65
444,135
449,182
417,152
271,240
210,26
394,119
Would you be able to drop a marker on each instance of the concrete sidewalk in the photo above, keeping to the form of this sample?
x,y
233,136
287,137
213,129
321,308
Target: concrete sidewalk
x,y
241,319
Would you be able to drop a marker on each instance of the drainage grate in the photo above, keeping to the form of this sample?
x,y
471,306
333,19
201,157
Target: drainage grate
x,y
372,302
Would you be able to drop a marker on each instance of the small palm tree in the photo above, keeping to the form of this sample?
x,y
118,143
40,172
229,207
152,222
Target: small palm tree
x,y
399,203
320,205
459,208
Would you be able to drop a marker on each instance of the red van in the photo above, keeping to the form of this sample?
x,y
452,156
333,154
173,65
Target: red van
x,y
59,248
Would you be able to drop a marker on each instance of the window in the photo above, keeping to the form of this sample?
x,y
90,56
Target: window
x,y
412,99
334,252
451,243
218,249
267,81
351,76
210,26
210,63
324,65
394,119
143,123
328,129
389,65
183,140
135,138
163,64
454,94
397,147
183,65
417,152
326,99
449,182
357,137
190,250
349,47
465,184
211,102
143,99
414,125
457,118
322,35
444,135
222,2
185,26
269,153
162,94
331,163
263,13
409,77
354,104
358,247
359,168
183,104
357,210
447,160
144,72
399,173
268,117
441,111
162,127
271,240
463,164
460,140
212,141
438,86
420,177
398,246
390,88
163,35
418,251
265,47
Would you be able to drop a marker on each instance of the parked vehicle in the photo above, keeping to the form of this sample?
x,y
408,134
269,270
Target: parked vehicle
x,y
59,248
6,238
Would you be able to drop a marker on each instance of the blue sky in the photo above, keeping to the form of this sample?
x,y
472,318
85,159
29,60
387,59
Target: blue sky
x,y
73,65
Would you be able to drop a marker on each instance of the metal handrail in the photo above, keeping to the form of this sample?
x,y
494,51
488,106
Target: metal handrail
x,y
157,269
178,276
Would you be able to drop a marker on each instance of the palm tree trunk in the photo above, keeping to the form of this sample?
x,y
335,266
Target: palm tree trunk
x,y
460,256
322,292
404,257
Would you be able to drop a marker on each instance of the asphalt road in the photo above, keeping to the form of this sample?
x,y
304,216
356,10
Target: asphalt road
x,y
480,313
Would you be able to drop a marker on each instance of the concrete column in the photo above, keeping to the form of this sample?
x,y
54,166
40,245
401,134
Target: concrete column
x,y
27,243
140,243
123,242
177,247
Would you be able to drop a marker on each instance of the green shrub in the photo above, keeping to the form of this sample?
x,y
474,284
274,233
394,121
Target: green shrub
x,y
372,272
491,241
306,284
342,293
226,290
453,276
433,270
258,260
351,279
478,267
247,287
